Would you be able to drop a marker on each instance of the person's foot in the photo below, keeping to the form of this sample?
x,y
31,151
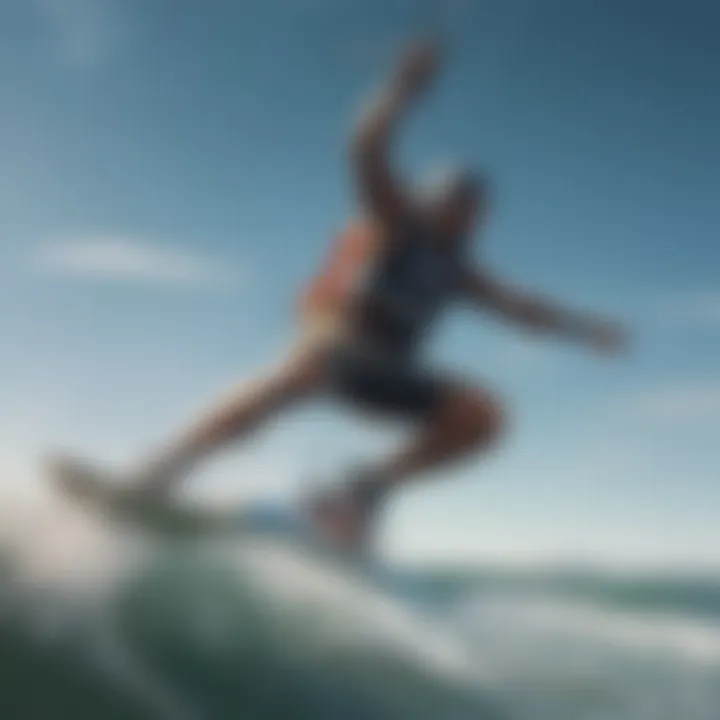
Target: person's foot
x,y
85,481
346,513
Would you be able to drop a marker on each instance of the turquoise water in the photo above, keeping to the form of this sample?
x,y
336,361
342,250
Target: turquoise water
x,y
94,624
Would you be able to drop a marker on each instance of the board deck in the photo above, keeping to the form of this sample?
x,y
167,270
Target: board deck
x,y
101,494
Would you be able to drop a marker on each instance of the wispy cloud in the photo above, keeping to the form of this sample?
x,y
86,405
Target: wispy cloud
x,y
695,309
83,32
704,307
679,403
128,259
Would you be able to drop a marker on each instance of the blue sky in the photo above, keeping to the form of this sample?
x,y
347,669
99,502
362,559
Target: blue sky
x,y
172,172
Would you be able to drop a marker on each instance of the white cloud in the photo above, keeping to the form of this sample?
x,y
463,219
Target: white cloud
x,y
121,258
698,309
680,403
703,307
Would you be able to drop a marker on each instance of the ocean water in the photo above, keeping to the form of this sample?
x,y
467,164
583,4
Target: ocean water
x,y
97,622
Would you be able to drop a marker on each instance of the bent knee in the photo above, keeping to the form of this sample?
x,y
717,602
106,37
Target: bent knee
x,y
480,416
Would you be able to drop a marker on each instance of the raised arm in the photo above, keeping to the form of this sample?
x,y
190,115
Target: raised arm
x,y
540,314
382,193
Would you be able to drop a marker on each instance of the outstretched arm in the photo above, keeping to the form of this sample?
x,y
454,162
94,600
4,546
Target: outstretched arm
x,y
381,192
537,313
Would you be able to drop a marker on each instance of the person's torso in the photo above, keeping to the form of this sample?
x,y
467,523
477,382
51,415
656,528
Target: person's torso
x,y
391,292
401,294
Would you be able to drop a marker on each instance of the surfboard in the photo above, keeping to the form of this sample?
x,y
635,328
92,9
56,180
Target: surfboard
x,y
101,493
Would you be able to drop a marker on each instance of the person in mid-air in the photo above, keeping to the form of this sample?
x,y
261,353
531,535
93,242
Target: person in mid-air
x,y
364,319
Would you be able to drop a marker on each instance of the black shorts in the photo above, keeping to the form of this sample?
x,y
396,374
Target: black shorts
x,y
391,384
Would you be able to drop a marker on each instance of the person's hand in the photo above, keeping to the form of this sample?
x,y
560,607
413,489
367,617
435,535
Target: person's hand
x,y
418,64
607,338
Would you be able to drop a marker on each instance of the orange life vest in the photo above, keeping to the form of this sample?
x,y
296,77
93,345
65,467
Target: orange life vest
x,y
332,287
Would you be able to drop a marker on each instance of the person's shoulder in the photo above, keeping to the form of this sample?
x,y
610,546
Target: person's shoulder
x,y
356,232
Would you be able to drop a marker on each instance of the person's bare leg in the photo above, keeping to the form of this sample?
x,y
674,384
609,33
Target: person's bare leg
x,y
242,411
468,421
